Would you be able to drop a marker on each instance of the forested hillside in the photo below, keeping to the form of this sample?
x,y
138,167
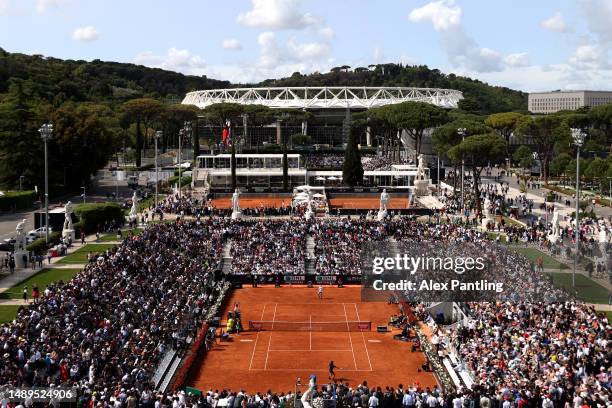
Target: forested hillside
x,y
56,81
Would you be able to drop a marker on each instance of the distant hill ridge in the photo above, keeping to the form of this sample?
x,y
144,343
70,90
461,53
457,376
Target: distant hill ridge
x,y
57,80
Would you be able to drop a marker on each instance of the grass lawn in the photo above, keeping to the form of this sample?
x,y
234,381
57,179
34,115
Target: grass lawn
x,y
8,313
533,254
588,290
80,255
113,236
41,279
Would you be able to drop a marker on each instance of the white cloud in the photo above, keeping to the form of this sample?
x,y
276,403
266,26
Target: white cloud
x,y
327,33
519,59
174,60
443,14
463,51
44,5
590,56
304,51
231,44
277,15
4,7
598,14
86,34
555,23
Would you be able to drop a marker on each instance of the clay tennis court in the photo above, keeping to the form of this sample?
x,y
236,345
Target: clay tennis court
x,y
367,203
252,202
274,359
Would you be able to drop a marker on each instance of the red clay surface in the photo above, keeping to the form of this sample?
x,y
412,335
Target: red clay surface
x,y
367,203
252,202
259,361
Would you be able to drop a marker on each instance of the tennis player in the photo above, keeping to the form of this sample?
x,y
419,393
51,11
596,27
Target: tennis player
x,y
320,291
331,367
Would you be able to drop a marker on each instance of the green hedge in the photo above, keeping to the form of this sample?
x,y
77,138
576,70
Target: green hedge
x,y
39,246
91,216
17,200
184,181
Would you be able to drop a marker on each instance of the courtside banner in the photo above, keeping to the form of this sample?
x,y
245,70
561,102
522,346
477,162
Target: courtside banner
x,y
418,271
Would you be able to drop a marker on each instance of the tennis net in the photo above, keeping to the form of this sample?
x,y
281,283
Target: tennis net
x,y
346,326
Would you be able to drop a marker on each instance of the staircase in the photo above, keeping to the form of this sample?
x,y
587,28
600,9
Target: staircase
x,y
226,261
309,265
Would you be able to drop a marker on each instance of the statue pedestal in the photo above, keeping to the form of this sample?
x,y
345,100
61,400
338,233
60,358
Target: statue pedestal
x,y
68,235
19,263
236,215
553,238
421,187
308,214
485,222
382,214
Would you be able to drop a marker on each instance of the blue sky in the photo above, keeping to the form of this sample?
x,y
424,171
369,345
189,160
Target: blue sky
x,y
524,44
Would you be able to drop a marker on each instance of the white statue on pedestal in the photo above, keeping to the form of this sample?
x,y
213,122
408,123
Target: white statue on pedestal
x,y
554,236
20,246
134,209
603,240
236,212
312,384
20,238
486,209
384,202
421,181
68,230
421,175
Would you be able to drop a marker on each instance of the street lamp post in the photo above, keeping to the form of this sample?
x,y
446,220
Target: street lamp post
x,y
84,192
158,136
609,191
578,136
185,131
461,132
45,134
20,180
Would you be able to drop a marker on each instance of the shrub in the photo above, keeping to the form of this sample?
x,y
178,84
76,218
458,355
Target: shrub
x,y
300,140
93,215
185,181
272,147
17,200
39,246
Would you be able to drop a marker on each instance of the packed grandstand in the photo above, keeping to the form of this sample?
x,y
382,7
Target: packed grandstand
x,y
107,331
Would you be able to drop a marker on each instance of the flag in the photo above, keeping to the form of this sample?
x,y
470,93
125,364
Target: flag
x,y
225,136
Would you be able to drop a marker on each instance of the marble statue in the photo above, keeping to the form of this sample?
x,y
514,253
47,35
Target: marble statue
x,y
555,233
421,175
68,210
134,209
236,211
384,200
487,208
384,203
307,395
20,238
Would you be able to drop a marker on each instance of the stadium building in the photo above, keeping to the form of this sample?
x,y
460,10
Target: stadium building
x,y
330,111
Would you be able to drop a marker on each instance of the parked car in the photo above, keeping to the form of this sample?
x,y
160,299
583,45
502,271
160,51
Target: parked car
x,y
39,232
7,244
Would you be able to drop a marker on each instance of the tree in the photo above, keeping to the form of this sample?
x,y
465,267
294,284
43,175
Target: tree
x,y
596,170
505,124
601,119
524,157
143,112
559,163
414,118
543,132
20,145
83,139
352,169
447,136
479,151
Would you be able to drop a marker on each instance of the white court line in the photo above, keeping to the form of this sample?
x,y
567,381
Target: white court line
x,y
300,369
310,346
270,338
246,341
349,335
363,337
327,351
374,341
257,338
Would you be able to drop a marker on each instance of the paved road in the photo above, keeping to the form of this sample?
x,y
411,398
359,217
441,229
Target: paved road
x,y
104,189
